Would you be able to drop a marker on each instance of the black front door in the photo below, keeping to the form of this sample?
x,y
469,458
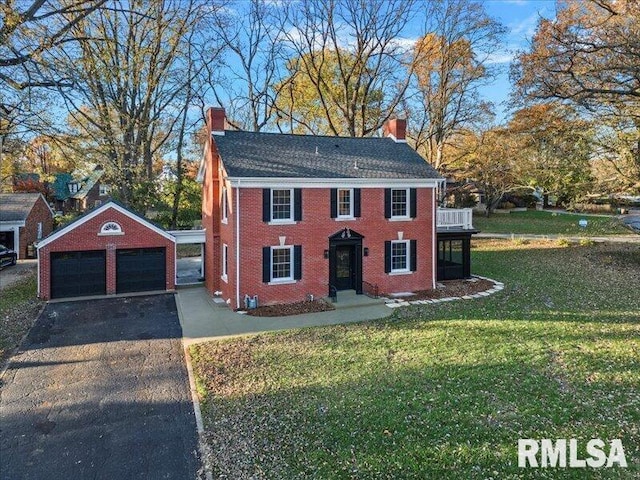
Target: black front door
x,y
345,267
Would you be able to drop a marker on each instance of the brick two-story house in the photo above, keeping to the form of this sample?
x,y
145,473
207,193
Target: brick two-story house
x,y
287,216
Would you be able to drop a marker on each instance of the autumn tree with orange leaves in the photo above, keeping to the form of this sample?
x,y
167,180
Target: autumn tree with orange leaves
x,y
589,56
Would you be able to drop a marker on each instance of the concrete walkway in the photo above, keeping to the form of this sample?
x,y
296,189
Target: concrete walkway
x,y
203,320
524,236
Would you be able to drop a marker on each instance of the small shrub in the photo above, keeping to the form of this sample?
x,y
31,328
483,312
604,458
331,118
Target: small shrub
x,y
520,241
586,242
563,242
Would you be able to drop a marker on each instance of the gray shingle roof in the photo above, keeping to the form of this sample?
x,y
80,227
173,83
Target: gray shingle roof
x,y
251,154
15,207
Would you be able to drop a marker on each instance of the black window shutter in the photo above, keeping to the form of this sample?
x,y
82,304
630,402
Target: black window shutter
x,y
297,204
266,204
356,202
413,265
387,257
266,264
387,203
297,262
334,202
413,204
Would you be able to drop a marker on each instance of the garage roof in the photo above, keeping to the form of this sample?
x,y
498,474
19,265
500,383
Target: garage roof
x,y
15,207
94,213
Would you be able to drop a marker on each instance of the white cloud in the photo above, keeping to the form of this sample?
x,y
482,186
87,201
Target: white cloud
x,y
525,27
499,57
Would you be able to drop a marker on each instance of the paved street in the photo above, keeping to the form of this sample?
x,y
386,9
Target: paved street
x,y
100,390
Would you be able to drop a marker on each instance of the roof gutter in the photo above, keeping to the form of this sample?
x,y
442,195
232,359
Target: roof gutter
x,y
289,182
238,246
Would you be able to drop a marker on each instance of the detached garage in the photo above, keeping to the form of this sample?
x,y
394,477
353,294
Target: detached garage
x,y
109,250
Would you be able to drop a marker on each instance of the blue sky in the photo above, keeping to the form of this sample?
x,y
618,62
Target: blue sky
x,y
520,17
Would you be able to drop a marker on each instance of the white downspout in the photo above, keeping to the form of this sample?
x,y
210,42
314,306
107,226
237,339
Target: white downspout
x,y
38,264
238,246
434,238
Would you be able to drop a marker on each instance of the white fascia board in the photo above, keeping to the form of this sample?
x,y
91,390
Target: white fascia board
x,y
95,213
203,164
11,224
53,214
276,182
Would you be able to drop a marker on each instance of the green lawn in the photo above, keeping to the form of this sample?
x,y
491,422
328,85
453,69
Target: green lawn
x,y
547,223
444,391
18,310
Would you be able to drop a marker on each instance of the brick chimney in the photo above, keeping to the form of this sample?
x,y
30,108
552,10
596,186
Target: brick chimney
x,y
395,128
216,120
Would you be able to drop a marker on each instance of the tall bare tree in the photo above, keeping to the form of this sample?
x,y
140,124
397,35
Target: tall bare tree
x,y
29,31
129,79
246,83
451,62
358,40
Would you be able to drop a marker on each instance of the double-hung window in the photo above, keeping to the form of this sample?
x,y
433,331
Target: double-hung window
x,y
400,256
281,264
399,203
225,262
345,203
223,206
281,205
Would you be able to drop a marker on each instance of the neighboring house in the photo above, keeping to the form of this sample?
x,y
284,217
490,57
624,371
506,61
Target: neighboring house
x,y
108,250
79,192
289,216
25,218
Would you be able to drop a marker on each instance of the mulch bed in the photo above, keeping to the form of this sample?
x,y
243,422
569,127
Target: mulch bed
x,y
285,309
452,288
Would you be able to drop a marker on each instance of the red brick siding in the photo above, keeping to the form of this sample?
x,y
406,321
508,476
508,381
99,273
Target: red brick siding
x,y
92,196
85,237
29,233
313,232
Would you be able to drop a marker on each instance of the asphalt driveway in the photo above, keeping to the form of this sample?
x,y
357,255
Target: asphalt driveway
x,y
100,390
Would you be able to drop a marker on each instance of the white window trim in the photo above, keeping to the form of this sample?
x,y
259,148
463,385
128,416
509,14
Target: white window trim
x,y
110,228
407,216
351,202
223,207
225,258
283,221
284,280
407,269
103,190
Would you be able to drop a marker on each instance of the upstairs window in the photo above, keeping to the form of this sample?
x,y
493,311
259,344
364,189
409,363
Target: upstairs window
x,y
345,203
223,206
281,205
400,203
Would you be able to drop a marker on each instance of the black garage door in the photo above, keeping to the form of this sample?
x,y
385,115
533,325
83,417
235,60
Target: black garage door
x,y
140,270
77,274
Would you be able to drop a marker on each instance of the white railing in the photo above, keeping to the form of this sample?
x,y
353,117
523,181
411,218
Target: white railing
x,y
455,217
